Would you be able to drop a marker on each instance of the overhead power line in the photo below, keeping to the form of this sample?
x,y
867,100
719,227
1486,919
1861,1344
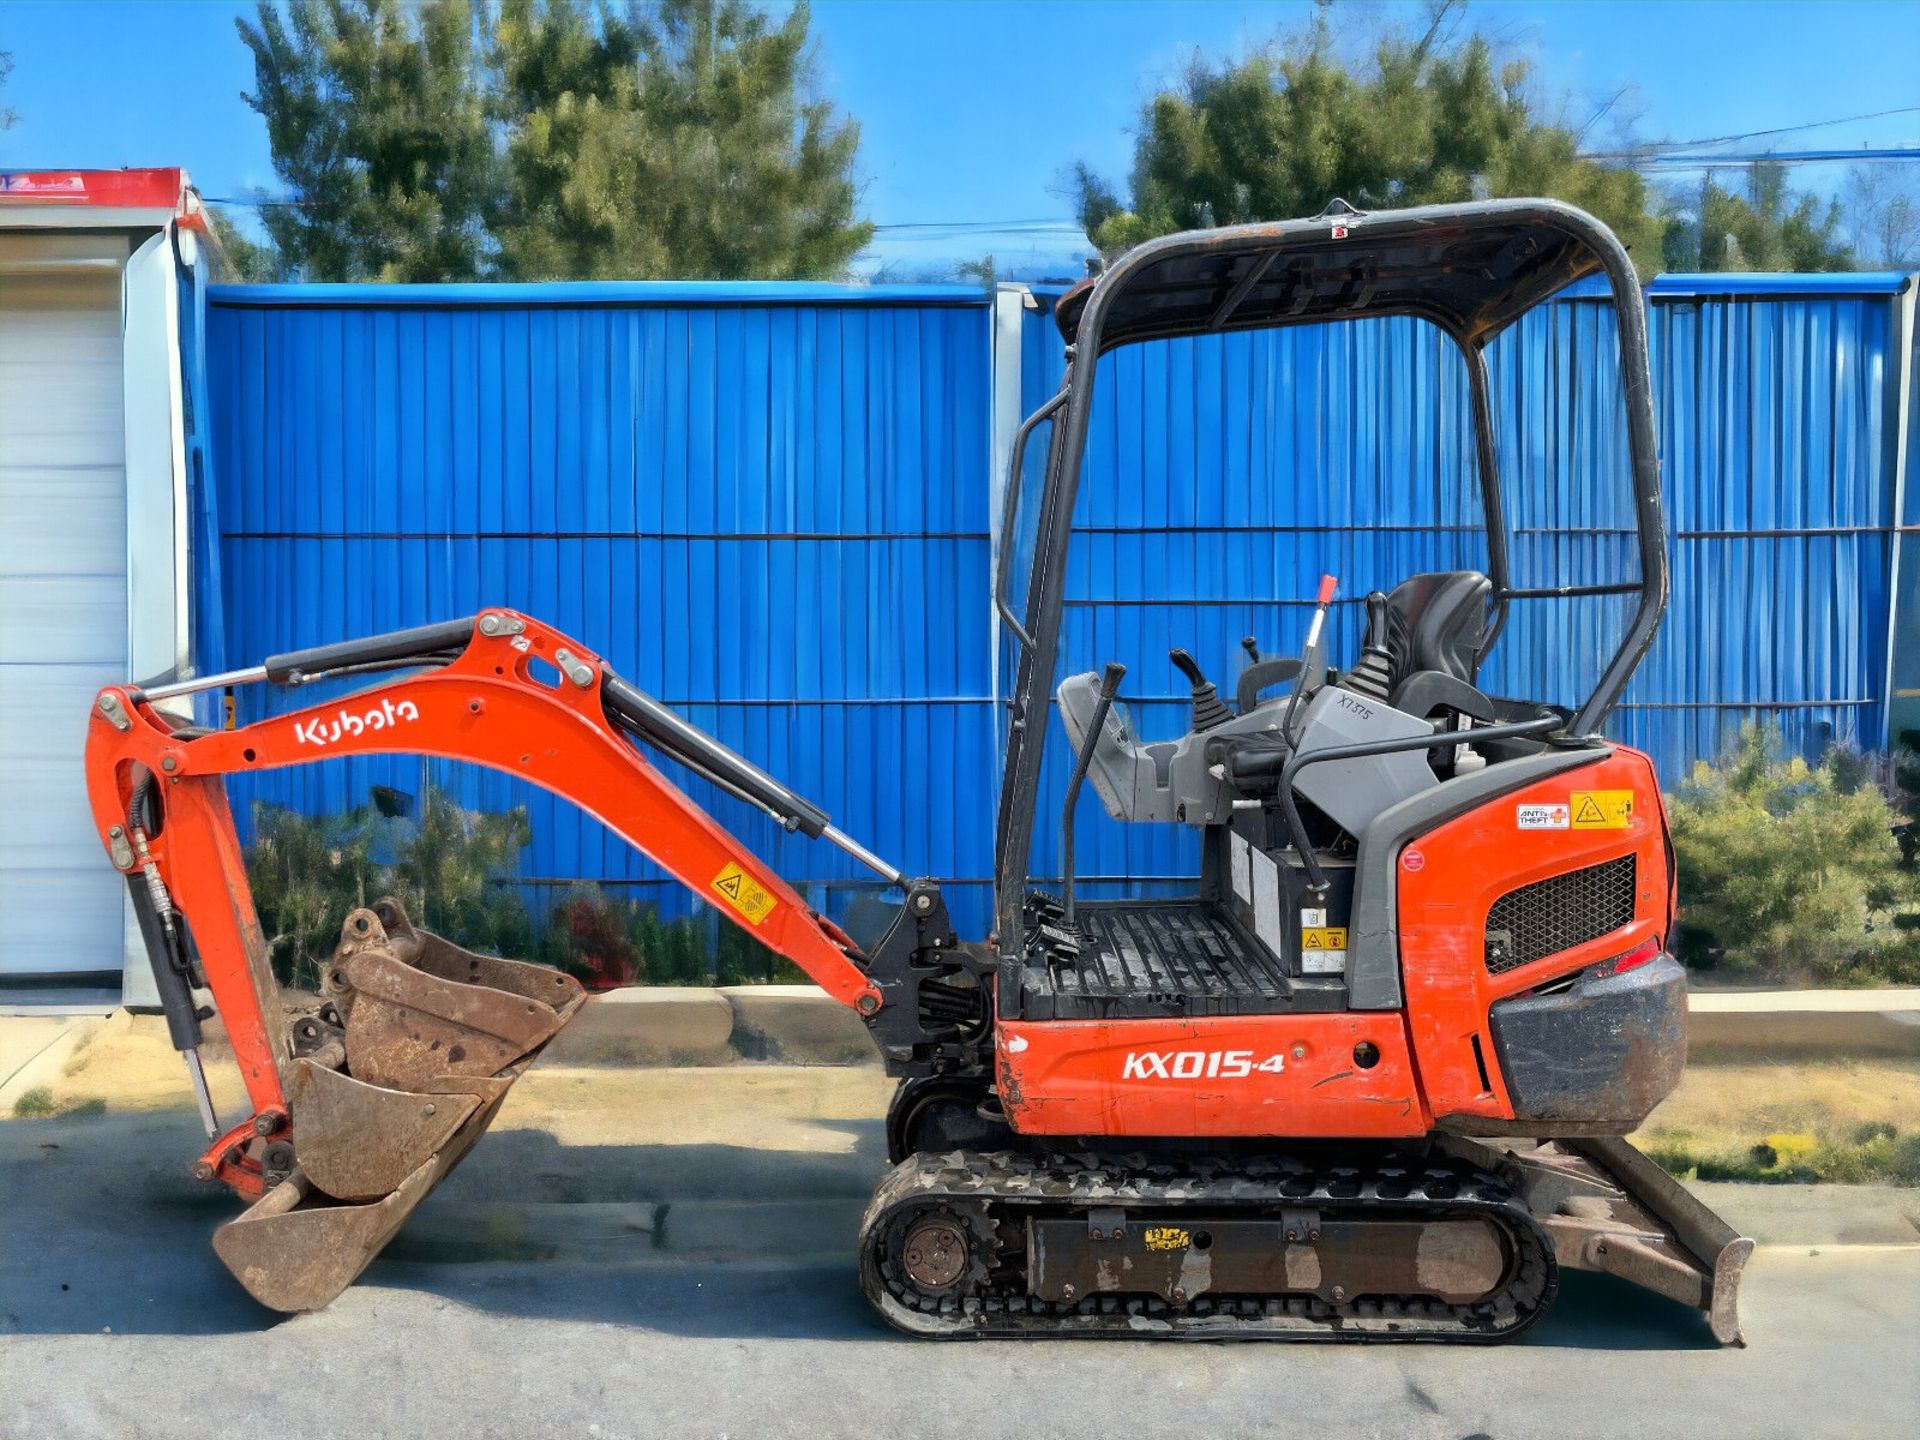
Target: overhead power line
x,y
1642,160
1666,146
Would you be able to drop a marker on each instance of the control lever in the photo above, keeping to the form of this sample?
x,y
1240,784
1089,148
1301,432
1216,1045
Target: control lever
x,y
1251,644
1310,652
1096,724
1373,675
1209,710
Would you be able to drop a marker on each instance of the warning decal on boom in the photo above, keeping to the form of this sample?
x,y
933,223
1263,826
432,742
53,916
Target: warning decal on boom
x,y
743,893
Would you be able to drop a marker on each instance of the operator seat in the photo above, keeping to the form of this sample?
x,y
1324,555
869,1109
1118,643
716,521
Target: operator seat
x,y
1436,621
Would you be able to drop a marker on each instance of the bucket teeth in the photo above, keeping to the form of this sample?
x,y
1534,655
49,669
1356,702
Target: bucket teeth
x,y
434,1036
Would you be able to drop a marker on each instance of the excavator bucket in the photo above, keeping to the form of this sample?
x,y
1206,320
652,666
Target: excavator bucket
x,y
394,1077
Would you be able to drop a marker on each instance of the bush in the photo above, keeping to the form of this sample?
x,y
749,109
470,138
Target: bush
x,y
307,873
606,943
1793,872
1875,1153
446,867
587,936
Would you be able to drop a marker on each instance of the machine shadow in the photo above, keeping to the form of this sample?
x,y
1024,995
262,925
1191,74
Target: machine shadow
x,y
109,1233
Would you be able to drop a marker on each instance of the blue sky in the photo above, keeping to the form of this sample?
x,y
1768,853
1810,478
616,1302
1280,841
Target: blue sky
x,y
971,109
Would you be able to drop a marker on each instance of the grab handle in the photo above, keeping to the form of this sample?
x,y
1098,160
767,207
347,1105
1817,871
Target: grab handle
x,y
1003,566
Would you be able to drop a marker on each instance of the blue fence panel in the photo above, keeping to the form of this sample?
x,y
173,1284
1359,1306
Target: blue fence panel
x,y
769,506
763,505
1776,416
1224,474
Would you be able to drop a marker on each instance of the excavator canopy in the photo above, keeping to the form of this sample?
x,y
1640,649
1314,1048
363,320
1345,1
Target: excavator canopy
x,y
1470,269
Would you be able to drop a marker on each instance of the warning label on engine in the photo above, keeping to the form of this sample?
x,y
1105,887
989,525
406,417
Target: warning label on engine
x,y
744,893
1601,809
1323,949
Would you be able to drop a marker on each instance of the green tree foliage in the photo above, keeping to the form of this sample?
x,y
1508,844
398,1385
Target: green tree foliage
x,y
1762,226
550,139
1792,871
308,873
669,143
671,952
377,114
1424,120
242,258
446,867
9,117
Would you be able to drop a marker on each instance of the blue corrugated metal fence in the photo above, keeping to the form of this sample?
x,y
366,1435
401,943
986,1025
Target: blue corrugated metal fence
x,y
769,506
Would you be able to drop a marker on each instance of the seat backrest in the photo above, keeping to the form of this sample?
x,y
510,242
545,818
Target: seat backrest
x,y
1438,622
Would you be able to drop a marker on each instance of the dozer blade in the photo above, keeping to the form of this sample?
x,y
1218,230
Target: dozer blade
x,y
1609,1208
429,1056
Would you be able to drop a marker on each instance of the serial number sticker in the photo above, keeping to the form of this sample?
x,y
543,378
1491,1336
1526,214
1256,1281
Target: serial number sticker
x,y
1324,937
1601,809
744,893
1543,817
1167,1237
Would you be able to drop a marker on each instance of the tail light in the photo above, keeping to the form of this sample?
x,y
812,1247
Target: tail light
x,y
1632,960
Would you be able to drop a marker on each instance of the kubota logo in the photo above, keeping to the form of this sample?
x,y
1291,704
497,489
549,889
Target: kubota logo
x,y
347,724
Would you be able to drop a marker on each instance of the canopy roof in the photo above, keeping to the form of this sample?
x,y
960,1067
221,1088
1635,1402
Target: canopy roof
x,y
1471,269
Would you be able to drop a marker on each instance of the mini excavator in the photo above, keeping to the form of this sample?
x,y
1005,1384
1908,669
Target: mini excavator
x,y
1367,1080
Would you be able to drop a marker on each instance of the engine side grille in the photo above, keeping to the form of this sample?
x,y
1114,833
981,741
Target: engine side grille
x,y
1559,913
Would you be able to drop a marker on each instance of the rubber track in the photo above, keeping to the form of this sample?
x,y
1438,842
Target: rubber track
x,y
983,1189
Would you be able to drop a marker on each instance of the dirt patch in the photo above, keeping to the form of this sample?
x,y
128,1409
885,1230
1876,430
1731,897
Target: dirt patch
x,y
128,1064
774,1107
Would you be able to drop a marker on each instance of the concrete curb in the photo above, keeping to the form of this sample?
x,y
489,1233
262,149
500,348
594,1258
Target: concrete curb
x,y
1784,1023
47,1064
642,1026
801,1024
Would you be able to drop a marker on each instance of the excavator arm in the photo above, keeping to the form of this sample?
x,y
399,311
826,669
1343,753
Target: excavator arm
x,y
361,1103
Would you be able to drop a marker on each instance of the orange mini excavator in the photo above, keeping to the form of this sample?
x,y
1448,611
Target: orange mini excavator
x,y
1365,1081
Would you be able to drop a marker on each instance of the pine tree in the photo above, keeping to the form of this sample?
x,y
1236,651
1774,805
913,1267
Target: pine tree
x,y
675,142
1281,133
1768,227
376,111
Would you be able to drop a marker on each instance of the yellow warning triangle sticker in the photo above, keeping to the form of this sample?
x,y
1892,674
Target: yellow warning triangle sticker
x,y
1588,813
744,893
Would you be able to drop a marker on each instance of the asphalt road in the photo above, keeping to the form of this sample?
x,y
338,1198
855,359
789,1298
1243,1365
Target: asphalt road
x,y
620,1320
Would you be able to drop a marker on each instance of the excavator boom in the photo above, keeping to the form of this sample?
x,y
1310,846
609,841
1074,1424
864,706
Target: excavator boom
x,y
364,1100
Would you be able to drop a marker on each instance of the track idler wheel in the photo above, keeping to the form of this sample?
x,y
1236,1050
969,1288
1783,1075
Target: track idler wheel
x,y
393,1081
